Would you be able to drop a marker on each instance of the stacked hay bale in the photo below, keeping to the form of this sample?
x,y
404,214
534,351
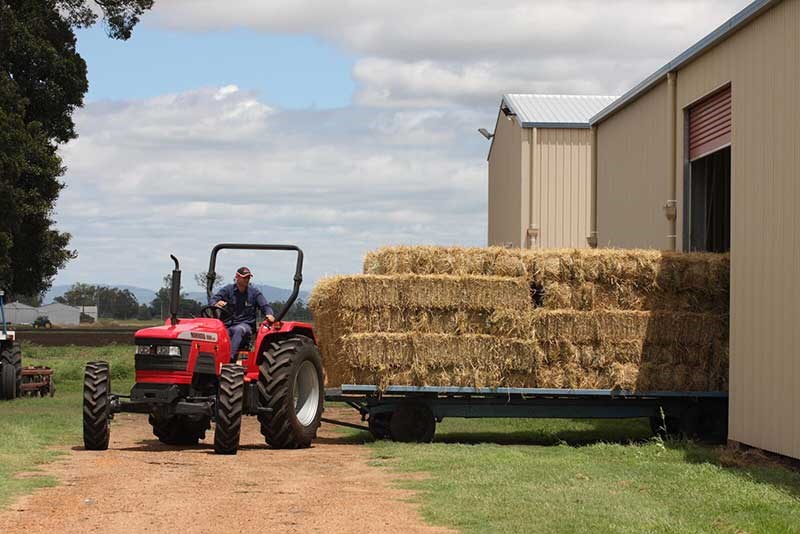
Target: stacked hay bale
x,y
638,320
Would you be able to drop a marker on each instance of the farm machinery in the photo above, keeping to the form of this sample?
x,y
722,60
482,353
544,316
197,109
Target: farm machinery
x,y
185,378
16,380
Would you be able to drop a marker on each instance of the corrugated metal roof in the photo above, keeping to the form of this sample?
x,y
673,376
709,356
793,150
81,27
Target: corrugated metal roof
x,y
555,111
712,39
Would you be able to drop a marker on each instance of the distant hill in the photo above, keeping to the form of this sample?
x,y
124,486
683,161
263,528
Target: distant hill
x,y
271,293
146,296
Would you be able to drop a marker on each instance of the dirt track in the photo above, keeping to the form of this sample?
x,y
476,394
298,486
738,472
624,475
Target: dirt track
x,y
140,485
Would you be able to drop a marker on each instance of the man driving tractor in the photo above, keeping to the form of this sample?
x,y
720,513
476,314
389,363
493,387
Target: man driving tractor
x,y
241,300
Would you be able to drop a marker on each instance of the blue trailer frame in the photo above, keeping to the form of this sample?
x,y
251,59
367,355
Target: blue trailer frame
x,y
410,413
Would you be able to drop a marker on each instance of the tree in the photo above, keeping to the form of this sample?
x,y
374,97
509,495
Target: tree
x,y
201,280
298,312
79,295
111,302
159,307
42,81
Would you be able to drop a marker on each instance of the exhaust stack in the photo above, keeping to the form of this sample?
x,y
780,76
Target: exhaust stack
x,y
175,292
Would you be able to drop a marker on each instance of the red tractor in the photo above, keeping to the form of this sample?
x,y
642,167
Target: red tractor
x,y
184,378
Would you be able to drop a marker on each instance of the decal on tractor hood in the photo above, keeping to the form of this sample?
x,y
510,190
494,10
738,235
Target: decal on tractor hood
x,y
198,336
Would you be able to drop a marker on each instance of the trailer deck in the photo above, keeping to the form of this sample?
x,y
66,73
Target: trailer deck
x,y
410,413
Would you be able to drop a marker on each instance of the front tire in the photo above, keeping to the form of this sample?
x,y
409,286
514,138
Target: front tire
x,y
12,356
290,387
96,406
230,397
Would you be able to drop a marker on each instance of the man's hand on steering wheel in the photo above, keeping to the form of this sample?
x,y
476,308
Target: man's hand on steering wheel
x,y
215,311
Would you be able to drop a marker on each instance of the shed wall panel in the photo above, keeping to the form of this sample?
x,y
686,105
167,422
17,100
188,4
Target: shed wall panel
x,y
762,64
505,184
632,174
560,187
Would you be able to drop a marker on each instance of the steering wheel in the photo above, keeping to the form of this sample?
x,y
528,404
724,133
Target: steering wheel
x,y
215,312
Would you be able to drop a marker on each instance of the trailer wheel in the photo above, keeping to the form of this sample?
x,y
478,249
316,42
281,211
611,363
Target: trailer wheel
x,y
179,429
290,387
96,406
379,424
230,397
705,424
413,422
12,356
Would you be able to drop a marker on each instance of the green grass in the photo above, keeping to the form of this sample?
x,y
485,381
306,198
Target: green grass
x,y
587,476
30,427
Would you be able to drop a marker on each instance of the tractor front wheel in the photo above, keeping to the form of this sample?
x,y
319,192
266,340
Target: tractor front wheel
x,y
179,429
230,397
11,357
96,406
290,388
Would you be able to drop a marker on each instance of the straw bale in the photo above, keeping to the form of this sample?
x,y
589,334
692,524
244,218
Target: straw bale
x,y
416,291
609,325
493,261
633,366
591,296
431,359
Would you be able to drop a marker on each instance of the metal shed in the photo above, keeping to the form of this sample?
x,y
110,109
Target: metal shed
x,y
18,313
61,314
539,170
707,147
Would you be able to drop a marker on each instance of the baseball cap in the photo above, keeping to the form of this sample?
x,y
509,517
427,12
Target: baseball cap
x,y
244,272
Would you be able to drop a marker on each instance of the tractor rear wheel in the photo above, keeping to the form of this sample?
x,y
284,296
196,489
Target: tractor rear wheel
x,y
290,387
12,357
179,429
230,397
96,406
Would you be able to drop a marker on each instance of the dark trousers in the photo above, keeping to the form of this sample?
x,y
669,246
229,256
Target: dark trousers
x,y
238,332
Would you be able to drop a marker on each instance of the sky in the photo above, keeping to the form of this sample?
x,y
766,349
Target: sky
x,y
337,126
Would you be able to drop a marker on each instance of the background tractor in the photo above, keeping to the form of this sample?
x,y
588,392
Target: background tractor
x,y
184,378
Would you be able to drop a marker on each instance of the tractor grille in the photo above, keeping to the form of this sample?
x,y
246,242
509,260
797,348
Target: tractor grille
x,y
155,362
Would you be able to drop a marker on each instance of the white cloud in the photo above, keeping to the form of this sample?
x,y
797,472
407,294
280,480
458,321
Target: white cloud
x,y
181,172
403,164
419,52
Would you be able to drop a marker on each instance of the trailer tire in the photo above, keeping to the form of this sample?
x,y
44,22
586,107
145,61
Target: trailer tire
x,y
12,356
290,387
179,429
230,400
96,406
379,425
705,424
666,427
413,422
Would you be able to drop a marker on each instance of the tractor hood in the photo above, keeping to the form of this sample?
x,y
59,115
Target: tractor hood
x,y
199,329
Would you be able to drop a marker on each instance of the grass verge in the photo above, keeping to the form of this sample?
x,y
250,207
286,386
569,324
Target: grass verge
x,y
587,476
30,427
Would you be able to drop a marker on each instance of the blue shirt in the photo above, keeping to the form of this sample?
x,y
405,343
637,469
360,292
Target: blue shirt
x,y
243,305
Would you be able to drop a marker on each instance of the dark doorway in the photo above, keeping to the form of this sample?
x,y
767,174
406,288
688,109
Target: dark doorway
x,y
710,202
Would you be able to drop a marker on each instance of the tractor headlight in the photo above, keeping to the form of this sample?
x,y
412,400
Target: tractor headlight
x,y
144,350
165,350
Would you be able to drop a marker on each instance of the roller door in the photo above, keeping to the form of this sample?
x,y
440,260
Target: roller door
x,y
710,125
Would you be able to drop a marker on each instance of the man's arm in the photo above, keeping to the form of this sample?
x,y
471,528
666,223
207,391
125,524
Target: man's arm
x,y
220,296
262,303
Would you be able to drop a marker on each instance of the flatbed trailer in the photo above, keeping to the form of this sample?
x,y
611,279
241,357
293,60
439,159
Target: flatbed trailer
x,y
410,413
